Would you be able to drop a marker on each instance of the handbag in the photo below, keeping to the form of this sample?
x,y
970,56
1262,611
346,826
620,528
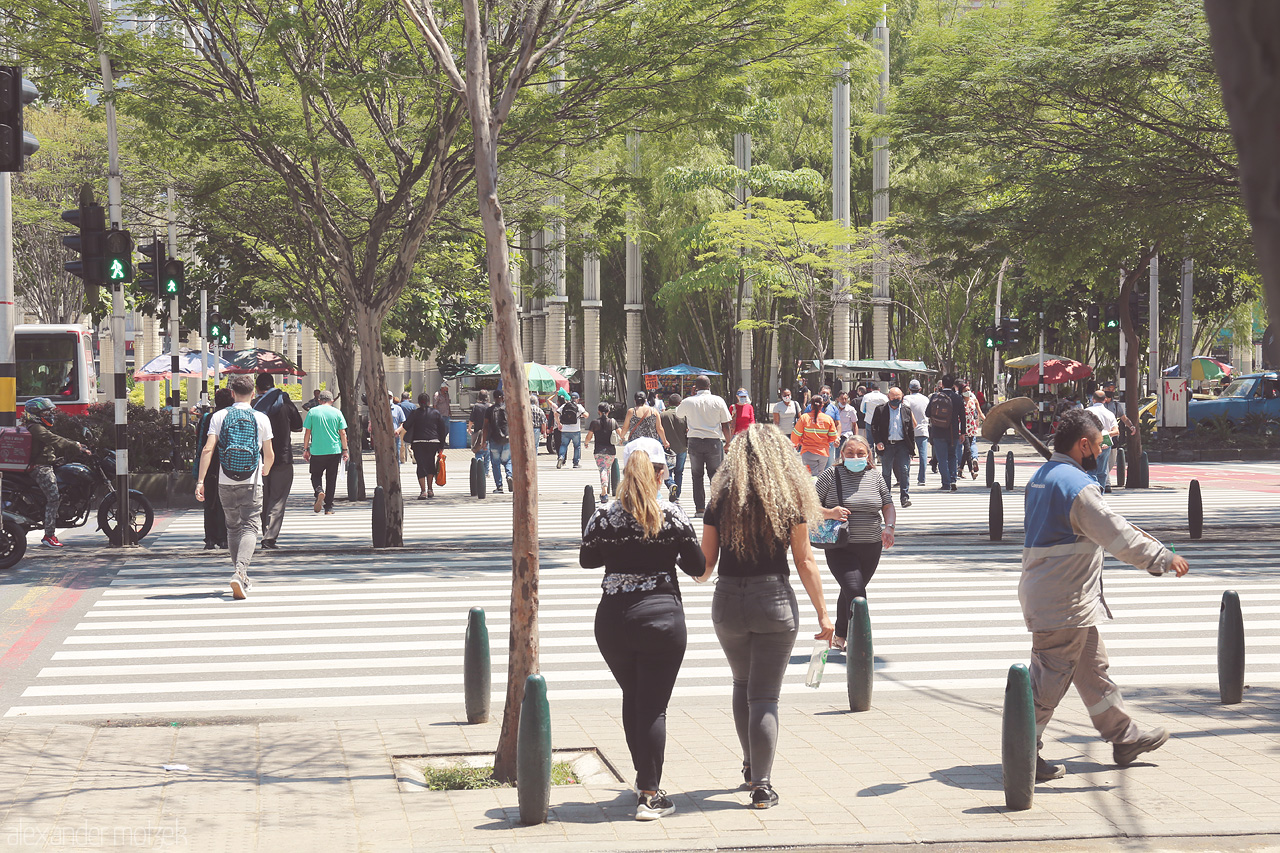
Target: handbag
x,y
831,533
440,469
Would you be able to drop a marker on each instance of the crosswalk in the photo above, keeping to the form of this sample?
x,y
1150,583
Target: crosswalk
x,y
363,633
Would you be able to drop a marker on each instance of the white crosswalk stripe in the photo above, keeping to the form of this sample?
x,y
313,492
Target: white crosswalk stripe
x,y
366,632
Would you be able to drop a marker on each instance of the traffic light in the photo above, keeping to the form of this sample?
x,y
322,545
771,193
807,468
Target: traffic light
x,y
1051,337
175,273
1113,317
1139,310
152,270
1093,317
218,333
1011,331
989,337
119,256
90,218
15,143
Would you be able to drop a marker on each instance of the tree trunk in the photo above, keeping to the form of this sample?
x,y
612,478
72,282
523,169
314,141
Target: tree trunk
x,y
1245,35
343,354
523,638
368,333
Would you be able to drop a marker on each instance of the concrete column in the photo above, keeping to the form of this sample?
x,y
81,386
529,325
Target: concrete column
x,y
146,346
633,304
880,203
106,358
1188,328
591,328
775,369
1153,336
558,301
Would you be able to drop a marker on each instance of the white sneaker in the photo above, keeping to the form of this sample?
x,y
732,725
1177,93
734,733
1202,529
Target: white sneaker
x,y
239,586
654,806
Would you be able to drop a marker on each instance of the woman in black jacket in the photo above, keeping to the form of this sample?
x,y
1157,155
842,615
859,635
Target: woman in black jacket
x,y
215,523
640,626
426,430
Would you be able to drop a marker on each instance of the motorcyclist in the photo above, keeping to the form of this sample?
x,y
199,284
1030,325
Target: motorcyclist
x,y
45,447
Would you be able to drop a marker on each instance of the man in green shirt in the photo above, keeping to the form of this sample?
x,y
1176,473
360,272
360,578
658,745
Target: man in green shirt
x,y
324,445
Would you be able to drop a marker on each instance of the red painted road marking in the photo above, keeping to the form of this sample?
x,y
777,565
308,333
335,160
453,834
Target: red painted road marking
x,y
44,622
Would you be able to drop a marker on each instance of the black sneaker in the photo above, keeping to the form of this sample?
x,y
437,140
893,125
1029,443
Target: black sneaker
x,y
1125,753
654,806
764,797
905,502
1046,772
954,487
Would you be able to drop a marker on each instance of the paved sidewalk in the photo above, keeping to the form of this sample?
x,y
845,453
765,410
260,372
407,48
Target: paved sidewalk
x,y
918,767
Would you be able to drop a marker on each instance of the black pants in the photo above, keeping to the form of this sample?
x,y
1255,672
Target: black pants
x,y
852,567
424,453
642,637
325,465
215,523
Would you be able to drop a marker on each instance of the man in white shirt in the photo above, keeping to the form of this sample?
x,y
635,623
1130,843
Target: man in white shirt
x,y
1110,432
917,403
241,495
785,412
872,400
710,427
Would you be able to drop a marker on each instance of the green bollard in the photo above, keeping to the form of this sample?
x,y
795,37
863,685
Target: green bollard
x,y
477,671
615,477
588,505
1018,740
379,518
1008,471
1230,650
1195,510
533,753
991,468
995,514
859,659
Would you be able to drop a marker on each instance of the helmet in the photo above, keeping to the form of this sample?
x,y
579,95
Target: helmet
x,y
40,409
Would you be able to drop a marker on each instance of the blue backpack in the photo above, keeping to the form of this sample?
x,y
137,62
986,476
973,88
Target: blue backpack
x,y
238,446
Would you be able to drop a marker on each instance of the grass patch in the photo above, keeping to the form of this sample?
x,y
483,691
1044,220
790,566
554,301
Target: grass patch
x,y
460,777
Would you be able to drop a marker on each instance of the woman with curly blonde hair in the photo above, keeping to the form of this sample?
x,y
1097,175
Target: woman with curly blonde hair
x,y
762,502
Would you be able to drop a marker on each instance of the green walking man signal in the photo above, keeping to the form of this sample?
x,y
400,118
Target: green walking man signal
x,y
174,274
119,255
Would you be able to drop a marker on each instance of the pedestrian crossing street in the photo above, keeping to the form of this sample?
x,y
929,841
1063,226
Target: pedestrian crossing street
x,y
366,634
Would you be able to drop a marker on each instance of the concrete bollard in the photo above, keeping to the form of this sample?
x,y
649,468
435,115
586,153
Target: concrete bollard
x,y
533,753
1139,473
1018,740
1008,471
1230,650
588,505
1120,466
995,514
1195,510
859,658
379,518
477,669
615,477
991,468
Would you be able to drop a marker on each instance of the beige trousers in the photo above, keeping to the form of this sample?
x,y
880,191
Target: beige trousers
x,y
1076,656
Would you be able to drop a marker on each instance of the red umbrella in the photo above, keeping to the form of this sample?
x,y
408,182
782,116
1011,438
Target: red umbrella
x,y
258,360
1056,371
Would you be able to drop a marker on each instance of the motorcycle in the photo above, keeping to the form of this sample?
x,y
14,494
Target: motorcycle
x,y
82,487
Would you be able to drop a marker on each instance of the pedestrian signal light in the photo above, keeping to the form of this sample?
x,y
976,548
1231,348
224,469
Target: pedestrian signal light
x,y
174,274
91,221
1093,317
989,338
1113,316
217,330
119,256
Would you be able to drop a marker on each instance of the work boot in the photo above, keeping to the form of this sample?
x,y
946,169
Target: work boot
x,y
1125,753
1046,772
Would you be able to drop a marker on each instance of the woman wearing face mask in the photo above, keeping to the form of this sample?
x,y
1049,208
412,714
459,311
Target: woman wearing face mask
x,y
813,435
866,497
640,625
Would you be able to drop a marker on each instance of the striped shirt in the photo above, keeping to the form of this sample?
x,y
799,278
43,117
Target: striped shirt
x,y
814,434
864,494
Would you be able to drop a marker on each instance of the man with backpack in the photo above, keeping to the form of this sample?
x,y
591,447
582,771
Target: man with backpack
x,y
242,438
285,419
946,430
569,418
497,436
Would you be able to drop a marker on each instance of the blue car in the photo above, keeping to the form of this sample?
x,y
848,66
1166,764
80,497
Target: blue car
x,y
1249,402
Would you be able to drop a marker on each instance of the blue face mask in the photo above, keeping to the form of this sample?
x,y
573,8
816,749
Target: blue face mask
x,y
857,464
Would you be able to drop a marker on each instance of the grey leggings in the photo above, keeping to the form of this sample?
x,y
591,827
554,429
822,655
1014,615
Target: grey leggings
x,y
756,620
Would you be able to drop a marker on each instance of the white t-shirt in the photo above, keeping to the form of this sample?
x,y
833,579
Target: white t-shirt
x,y
705,413
787,414
872,401
575,427
917,403
264,436
1108,418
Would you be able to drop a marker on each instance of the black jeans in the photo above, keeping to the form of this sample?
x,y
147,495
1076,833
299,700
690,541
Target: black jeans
x,y
705,456
642,637
896,459
852,567
425,454
215,523
326,465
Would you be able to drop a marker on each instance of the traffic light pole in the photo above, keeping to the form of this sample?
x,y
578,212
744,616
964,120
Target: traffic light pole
x,y
8,369
995,351
204,349
175,395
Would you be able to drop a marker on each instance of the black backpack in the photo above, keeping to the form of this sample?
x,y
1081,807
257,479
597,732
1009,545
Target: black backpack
x,y
941,414
569,414
498,416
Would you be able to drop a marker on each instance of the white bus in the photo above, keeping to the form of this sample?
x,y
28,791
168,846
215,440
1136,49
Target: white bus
x,y
56,361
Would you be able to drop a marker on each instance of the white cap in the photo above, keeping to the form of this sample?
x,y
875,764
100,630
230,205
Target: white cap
x,y
914,385
649,446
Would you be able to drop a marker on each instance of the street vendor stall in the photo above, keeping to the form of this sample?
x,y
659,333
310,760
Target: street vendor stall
x,y
676,379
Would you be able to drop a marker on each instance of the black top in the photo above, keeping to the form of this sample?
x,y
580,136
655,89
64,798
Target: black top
x,y
284,417
425,424
602,430
478,411
732,566
632,561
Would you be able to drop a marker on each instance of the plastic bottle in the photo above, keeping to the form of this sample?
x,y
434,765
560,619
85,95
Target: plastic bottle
x,y
817,662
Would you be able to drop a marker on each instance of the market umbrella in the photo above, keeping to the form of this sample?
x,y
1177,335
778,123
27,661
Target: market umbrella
x,y
258,360
682,370
1203,369
544,380
1033,360
1056,371
189,366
